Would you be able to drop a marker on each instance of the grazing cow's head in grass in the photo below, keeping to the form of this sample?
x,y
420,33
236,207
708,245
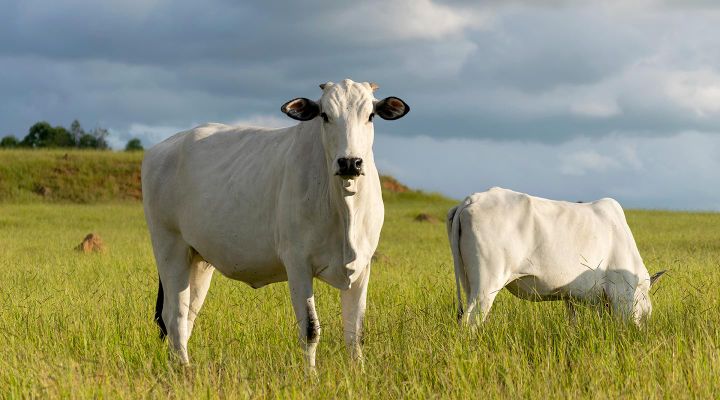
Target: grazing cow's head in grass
x,y
346,111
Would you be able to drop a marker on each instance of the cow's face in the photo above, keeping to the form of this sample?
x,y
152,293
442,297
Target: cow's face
x,y
345,112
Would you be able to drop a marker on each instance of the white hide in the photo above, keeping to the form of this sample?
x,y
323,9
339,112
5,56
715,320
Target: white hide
x,y
542,250
264,206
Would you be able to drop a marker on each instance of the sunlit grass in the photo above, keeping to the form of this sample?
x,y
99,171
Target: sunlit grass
x,y
74,325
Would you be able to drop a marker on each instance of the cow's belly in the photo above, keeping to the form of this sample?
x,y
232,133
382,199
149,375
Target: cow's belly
x,y
561,268
249,257
254,269
535,288
558,281
255,275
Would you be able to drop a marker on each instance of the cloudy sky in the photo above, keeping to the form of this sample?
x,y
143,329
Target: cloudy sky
x,y
565,99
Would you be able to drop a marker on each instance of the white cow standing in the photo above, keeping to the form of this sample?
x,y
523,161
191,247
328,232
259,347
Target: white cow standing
x,y
543,250
264,206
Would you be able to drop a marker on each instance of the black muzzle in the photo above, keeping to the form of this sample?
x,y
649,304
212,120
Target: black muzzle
x,y
350,167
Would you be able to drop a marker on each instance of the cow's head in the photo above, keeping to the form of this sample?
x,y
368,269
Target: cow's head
x,y
346,111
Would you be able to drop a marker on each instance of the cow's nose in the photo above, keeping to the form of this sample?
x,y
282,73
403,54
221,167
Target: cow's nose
x,y
349,166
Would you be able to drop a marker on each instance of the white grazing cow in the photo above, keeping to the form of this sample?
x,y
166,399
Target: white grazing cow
x,y
264,206
543,250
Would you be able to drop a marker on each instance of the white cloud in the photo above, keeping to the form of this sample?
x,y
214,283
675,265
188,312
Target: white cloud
x,y
697,90
397,20
586,161
447,60
148,134
595,109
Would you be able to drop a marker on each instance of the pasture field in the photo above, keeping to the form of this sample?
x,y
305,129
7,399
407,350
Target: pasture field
x,y
80,326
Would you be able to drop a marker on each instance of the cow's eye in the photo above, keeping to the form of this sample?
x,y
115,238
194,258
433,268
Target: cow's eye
x,y
371,117
324,117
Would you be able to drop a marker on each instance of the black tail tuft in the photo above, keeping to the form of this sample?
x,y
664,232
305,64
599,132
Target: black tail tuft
x,y
158,311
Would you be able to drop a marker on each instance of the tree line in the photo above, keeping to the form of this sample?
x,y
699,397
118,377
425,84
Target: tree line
x,y
44,135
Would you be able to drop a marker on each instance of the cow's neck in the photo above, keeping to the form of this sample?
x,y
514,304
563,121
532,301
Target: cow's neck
x,y
350,210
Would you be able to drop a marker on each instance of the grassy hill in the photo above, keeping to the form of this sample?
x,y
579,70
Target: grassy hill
x,y
87,176
77,176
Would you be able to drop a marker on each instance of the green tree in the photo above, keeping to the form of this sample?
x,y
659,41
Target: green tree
x,y
36,135
76,131
100,134
94,139
43,135
134,145
9,142
61,138
87,141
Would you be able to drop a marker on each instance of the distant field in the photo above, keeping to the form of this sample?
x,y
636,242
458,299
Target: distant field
x,y
80,176
74,325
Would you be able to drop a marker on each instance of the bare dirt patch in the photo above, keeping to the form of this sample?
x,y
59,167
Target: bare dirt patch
x,y
392,185
91,244
423,217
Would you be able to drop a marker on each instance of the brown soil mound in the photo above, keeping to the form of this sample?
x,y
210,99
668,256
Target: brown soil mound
x,y
43,191
380,257
91,243
422,217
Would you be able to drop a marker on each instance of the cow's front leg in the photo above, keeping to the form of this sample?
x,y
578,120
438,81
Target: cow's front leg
x,y
303,301
353,312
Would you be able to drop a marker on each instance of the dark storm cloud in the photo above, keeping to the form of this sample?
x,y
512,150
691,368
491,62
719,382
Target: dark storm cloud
x,y
536,71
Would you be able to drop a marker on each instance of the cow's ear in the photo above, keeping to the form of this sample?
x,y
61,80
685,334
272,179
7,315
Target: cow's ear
x,y
301,109
391,108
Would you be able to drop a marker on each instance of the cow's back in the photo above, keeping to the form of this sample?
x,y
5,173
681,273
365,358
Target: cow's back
x,y
567,244
172,170
214,185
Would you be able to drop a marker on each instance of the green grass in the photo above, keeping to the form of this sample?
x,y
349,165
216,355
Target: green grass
x,y
80,326
74,325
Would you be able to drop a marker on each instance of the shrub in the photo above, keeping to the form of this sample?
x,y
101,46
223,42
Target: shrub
x,y
134,145
9,142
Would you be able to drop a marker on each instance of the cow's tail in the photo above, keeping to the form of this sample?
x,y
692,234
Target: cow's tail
x,y
158,311
454,230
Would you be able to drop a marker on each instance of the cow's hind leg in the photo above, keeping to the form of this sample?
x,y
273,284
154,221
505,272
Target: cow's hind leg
x,y
158,310
173,262
200,276
485,283
480,304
